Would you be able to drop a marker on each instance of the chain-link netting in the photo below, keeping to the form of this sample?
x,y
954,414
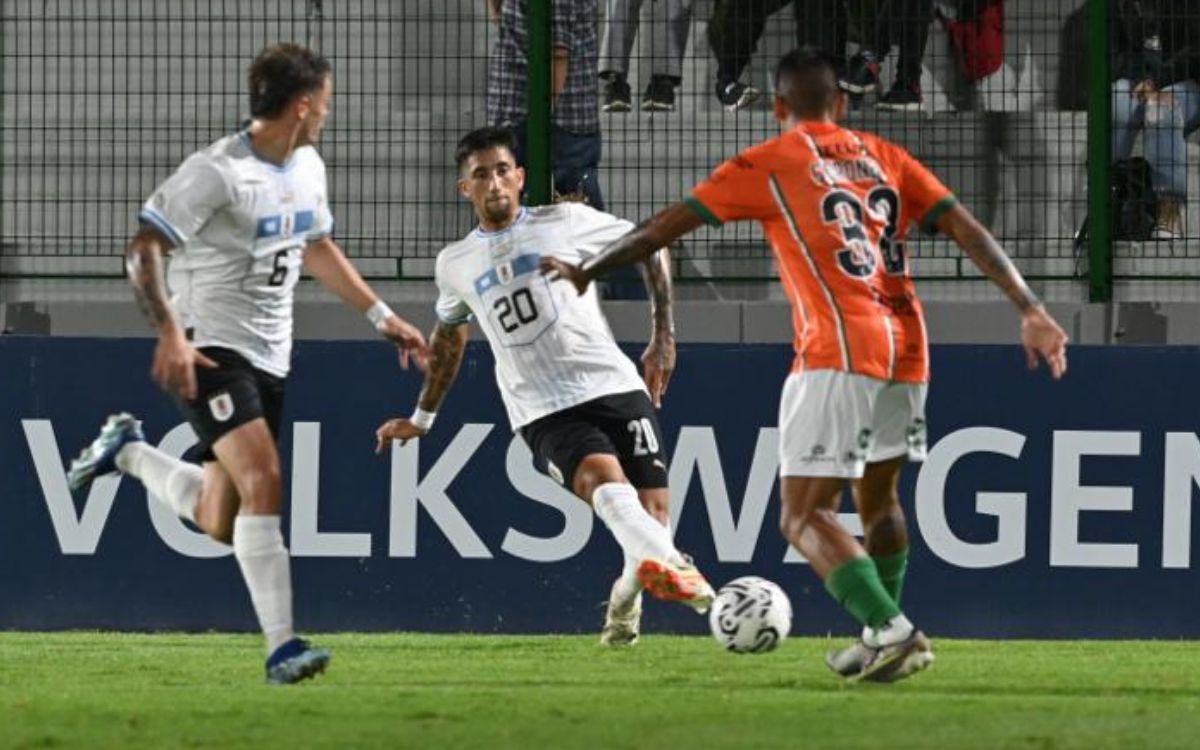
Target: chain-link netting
x,y
101,100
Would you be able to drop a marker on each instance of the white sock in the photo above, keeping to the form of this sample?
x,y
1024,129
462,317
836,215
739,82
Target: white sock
x,y
639,535
628,584
177,484
897,629
258,546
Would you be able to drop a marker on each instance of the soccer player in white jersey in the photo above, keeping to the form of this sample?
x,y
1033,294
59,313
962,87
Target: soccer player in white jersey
x,y
244,214
570,392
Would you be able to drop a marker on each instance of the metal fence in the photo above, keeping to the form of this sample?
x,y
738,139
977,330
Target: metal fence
x,y
99,101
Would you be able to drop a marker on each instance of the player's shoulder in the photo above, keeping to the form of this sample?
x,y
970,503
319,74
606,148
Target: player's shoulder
x,y
308,157
454,251
761,154
557,213
882,147
572,214
208,165
222,157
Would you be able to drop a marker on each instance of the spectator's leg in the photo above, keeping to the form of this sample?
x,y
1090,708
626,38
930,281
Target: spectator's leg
x,y
1187,94
887,22
916,15
670,22
519,134
577,166
734,31
1127,117
821,24
1163,141
621,18
995,125
1166,150
862,22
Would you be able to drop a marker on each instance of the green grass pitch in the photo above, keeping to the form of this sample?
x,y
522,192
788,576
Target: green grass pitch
x,y
100,690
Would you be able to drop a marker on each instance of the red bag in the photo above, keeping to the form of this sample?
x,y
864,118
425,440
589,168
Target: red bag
x,y
978,42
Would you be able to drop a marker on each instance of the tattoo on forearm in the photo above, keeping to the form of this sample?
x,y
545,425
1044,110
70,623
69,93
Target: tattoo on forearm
x,y
657,276
992,260
144,266
446,347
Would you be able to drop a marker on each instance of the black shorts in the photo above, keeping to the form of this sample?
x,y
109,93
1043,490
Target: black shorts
x,y
622,425
230,395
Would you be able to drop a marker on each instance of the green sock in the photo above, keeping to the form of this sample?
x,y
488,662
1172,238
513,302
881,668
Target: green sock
x,y
891,572
856,586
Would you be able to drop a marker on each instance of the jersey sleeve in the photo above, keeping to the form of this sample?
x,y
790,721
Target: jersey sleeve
x,y
450,307
737,189
592,230
322,221
185,202
924,195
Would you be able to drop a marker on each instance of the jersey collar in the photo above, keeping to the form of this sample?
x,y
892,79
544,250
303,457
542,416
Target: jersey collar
x,y
520,217
817,127
245,136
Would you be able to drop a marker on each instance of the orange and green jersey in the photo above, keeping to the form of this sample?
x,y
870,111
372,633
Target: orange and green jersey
x,y
835,206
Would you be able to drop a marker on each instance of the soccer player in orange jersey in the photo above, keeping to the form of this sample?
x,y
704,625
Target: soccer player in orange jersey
x,y
835,206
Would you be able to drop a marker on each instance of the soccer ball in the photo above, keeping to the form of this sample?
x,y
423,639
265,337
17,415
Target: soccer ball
x,y
750,615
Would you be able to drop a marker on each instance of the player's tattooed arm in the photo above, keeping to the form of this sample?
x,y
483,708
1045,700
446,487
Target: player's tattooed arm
x,y
446,347
175,359
660,230
144,266
979,245
1041,336
656,272
658,361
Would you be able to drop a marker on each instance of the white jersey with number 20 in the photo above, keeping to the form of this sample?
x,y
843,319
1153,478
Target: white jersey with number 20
x,y
553,347
239,225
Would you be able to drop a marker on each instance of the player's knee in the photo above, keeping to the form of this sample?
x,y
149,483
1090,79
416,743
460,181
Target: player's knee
x,y
657,504
261,490
794,523
878,507
594,471
887,524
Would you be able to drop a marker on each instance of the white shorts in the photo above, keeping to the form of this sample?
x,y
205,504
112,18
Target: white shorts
x,y
833,423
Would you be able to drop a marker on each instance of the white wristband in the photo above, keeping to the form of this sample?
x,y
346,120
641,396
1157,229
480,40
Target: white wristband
x,y
423,420
378,313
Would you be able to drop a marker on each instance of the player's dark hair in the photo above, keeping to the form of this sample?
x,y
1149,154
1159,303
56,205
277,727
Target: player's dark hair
x,y
482,139
282,72
807,80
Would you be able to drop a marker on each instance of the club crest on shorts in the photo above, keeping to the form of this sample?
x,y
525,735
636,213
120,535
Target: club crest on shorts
x,y
221,406
504,272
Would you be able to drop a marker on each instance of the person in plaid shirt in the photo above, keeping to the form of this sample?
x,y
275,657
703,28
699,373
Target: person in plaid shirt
x,y
576,85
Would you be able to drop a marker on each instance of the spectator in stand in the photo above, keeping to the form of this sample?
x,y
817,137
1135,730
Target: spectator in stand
x,y
669,24
904,23
575,134
575,82
737,25
1156,70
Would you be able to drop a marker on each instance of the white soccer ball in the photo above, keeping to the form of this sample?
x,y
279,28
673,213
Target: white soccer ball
x,y
750,615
